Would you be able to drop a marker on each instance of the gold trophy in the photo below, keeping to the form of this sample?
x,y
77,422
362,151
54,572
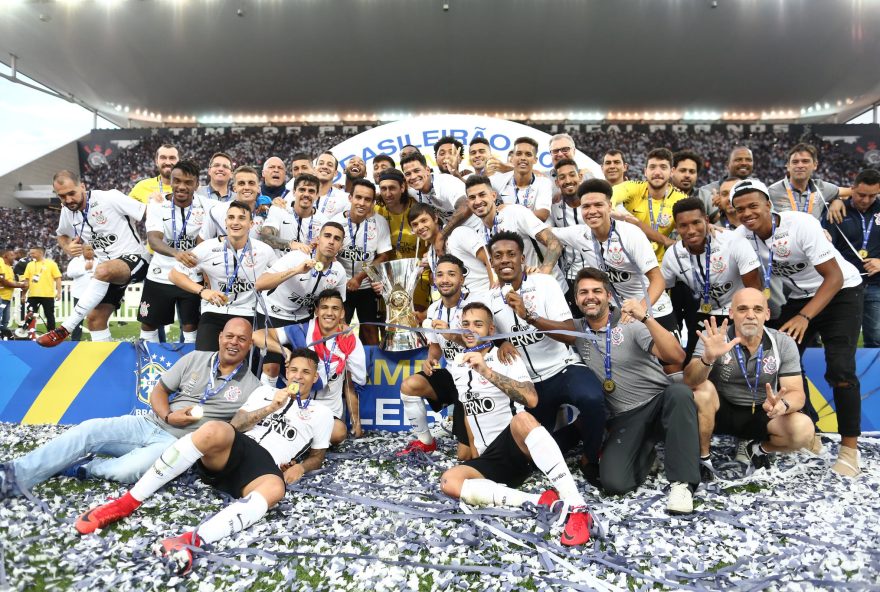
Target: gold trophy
x,y
398,279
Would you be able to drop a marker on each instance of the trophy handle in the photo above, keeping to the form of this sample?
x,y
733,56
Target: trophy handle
x,y
378,278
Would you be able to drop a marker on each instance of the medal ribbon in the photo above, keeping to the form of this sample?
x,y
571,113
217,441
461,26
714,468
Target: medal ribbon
x,y
210,390
742,366
174,235
866,230
236,264
353,235
528,190
656,225
705,279
807,206
768,269
607,353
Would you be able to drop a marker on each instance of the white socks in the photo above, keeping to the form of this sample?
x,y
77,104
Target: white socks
x,y
417,415
547,457
175,460
233,518
483,492
94,294
151,336
100,335
189,336
269,381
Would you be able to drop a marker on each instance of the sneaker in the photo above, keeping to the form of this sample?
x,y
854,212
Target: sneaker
x,y
707,471
54,337
548,498
742,455
577,527
418,445
8,484
757,459
847,463
177,550
103,516
681,500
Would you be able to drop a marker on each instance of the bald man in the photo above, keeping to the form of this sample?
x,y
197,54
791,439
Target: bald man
x,y
747,383
274,178
209,386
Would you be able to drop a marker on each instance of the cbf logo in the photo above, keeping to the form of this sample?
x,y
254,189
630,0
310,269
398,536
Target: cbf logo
x,y
152,368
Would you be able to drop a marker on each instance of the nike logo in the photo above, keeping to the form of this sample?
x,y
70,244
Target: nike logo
x,y
285,222
215,263
165,219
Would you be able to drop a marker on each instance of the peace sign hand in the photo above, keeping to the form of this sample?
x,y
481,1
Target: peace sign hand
x,y
773,404
715,341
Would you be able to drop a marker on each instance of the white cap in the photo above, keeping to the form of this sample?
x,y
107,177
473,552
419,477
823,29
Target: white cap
x,y
747,186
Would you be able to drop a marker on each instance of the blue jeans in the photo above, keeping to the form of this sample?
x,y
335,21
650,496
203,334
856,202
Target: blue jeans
x,y
132,441
871,316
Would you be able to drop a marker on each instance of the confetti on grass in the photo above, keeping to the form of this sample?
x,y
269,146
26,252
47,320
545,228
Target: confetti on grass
x,y
372,521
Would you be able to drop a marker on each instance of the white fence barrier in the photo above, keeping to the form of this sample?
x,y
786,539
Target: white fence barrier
x,y
127,311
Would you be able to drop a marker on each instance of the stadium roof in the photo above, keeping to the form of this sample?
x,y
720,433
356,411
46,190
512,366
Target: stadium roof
x,y
196,58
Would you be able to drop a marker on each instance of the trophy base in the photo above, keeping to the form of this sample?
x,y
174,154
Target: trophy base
x,y
398,340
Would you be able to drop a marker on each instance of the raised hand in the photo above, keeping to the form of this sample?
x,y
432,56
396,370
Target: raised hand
x,y
773,404
715,342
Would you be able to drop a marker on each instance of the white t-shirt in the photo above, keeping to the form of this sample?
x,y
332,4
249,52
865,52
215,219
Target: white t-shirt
x,y
218,262
626,256
487,409
76,271
544,357
294,299
289,432
445,191
798,246
108,225
465,243
452,316
354,255
180,228
731,258
537,196
291,227
215,224
563,215
333,204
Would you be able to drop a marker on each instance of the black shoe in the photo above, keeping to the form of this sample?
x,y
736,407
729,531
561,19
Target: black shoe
x,y
707,471
757,458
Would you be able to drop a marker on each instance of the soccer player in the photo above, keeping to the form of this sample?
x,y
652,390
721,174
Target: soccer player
x,y
747,383
441,191
299,224
479,153
799,192
434,384
507,442
355,168
343,360
172,229
230,265
564,213
529,304
614,167
219,179
651,201
686,167
8,284
167,156
215,383
275,438
522,186
105,222
824,294
246,182
382,163
44,284
448,154
712,267
331,201
644,404
293,281
367,242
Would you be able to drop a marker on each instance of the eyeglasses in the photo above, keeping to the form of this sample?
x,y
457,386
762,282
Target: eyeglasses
x,y
218,165
556,151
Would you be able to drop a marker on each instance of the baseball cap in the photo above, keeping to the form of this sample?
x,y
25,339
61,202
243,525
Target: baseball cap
x,y
747,186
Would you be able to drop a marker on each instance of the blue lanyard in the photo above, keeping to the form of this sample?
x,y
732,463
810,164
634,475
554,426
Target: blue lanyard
x,y
504,298
85,216
573,214
209,390
655,225
479,347
866,230
329,360
768,269
490,233
236,264
607,355
174,235
742,366
299,402
320,274
694,268
448,310
353,235
299,228
600,252
516,190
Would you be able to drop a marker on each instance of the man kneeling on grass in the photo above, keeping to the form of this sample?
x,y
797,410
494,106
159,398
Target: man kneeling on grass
x,y
252,456
507,442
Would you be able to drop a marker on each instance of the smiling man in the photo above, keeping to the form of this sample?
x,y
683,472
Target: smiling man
x,y
331,200
246,182
800,192
614,167
740,164
301,223
522,186
219,179
167,156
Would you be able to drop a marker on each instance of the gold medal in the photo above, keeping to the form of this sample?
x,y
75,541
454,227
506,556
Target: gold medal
x,y
706,307
767,293
319,266
608,386
293,388
863,253
427,324
654,246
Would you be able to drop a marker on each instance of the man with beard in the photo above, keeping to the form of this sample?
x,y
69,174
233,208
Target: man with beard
x,y
292,283
172,229
614,167
686,167
246,183
331,201
522,186
355,168
564,213
231,265
740,165
301,224
219,179
824,297
274,178
381,163
166,157
800,192
105,222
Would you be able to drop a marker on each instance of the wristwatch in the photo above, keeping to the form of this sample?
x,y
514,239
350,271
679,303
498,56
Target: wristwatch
x,y
530,317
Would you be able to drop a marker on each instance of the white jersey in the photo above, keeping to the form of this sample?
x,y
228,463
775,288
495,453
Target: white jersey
x,y
452,316
107,224
521,220
294,299
487,409
289,432
798,246
626,256
544,357
219,264
179,227
445,191
730,258
465,243
362,243
215,224
537,196
572,259
291,227
333,204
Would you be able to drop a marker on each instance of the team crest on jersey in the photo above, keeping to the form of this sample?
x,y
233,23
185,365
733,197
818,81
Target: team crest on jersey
x,y
718,265
331,281
663,219
198,216
250,260
371,230
615,254
232,394
770,365
782,248
99,217
144,308
617,336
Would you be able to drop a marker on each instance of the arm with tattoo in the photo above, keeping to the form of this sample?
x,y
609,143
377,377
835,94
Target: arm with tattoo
x,y
553,249
243,420
520,392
